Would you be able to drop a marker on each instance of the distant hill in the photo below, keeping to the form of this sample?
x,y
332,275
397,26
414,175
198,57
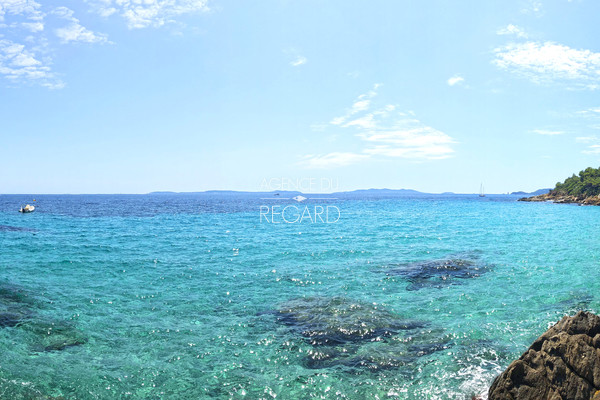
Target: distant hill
x,y
361,192
536,193
382,192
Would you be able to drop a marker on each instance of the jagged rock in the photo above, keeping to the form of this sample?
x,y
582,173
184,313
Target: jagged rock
x,y
438,273
562,364
564,199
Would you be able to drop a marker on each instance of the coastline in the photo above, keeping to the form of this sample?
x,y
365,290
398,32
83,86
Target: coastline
x,y
564,199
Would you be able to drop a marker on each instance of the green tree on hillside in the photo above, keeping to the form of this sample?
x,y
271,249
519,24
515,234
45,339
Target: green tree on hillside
x,y
587,183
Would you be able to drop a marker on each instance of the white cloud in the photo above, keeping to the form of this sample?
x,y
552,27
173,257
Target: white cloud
x,y
33,26
547,132
365,122
595,111
25,48
63,12
298,61
511,29
455,80
145,13
18,63
406,137
330,160
384,132
592,149
592,142
74,31
551,62
586,139
533,7
362,103
26,57
30,9
433,152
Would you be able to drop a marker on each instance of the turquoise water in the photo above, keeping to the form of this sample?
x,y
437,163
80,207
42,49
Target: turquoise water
x,y
182,297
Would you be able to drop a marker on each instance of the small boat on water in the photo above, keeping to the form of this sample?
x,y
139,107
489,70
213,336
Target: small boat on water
x,y
481,192
27,209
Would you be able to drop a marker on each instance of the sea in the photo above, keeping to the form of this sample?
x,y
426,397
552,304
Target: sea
x,y
250,296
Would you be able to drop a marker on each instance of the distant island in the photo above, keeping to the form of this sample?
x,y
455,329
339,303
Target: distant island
x,y
578,189
536,193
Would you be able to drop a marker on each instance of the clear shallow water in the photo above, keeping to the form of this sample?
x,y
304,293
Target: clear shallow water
x,y
175,296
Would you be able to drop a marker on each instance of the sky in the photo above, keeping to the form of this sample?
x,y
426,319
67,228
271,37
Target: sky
x,y
135,96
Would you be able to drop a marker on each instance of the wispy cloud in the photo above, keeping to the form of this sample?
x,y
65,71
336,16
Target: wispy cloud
x,y
534,7
26,45
74,31
19,64
384,132
361,103
550,62
511,29
547,132
30,9
32,30
146,13
298,61
295,56
587,139
593,112
592,142
456,80
33,26
330,160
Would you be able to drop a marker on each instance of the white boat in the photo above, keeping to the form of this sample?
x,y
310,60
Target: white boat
x,y
481,193
27,209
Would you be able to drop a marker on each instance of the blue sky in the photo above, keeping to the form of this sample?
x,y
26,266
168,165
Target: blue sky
x,y
126,96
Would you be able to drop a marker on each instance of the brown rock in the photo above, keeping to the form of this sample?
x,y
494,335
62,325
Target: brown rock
x,y
562,364
564,199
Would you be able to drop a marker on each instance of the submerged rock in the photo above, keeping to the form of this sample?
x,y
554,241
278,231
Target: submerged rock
x,y
438,273
13,294
53,335
337,320
562,364
18,308
575,302
8,228
15,305
373,356
10,319
357,336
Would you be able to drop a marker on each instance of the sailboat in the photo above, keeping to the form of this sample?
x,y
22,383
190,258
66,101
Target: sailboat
x,y
481,193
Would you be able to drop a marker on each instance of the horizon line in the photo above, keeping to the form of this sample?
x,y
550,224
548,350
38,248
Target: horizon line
x,y
159,192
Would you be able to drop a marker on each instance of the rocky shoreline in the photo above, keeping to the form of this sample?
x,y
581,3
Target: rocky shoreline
x,y
562,364
564,199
